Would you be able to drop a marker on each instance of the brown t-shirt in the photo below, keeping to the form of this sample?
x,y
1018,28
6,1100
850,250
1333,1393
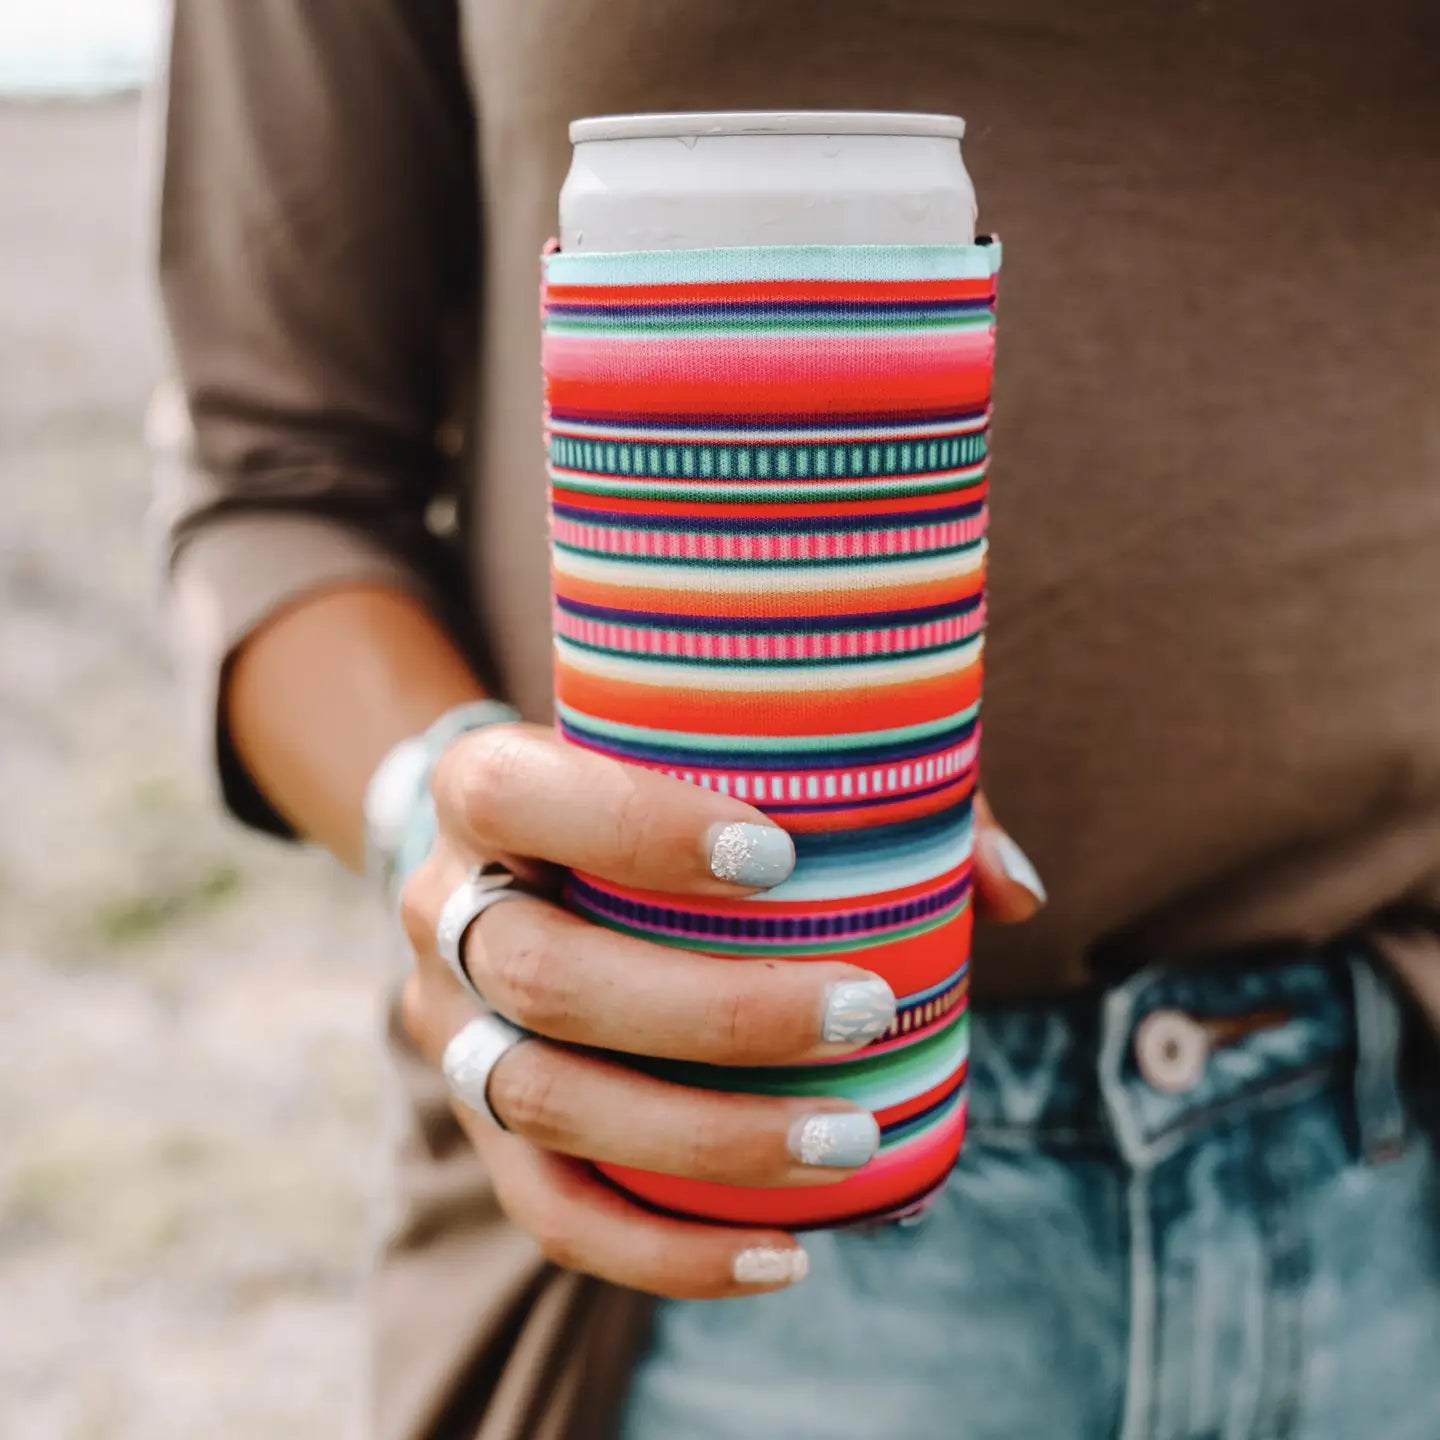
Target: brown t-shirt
x,y
1213,666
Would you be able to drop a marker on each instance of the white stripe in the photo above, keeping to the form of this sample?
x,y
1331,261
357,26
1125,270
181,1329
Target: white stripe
x,y
863,575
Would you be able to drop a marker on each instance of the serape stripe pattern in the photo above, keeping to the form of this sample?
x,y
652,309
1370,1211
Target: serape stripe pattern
x,y
768,474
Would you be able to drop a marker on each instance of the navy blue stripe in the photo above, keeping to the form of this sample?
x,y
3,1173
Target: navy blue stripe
x,y
784,525
769,624
827,759
760,928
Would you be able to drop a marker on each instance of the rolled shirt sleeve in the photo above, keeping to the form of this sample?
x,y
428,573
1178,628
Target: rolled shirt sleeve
x,y
317,256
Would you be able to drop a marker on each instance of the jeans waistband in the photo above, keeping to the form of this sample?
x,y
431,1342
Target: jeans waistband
x,y
1169,1049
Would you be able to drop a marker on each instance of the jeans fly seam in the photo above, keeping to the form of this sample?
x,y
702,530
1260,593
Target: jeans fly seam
x,y
1118,1011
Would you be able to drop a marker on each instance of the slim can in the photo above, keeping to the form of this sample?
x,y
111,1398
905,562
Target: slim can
x,y
768,344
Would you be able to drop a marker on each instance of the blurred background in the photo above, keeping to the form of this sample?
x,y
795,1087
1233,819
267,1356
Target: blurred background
x,y
188,1016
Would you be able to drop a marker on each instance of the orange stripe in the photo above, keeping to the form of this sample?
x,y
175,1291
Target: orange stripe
x,y
775,712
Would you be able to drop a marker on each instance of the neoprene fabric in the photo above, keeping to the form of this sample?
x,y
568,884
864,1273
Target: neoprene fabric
x,y
768,511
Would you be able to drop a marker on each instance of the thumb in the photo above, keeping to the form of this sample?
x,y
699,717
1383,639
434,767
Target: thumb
x,y
1008,888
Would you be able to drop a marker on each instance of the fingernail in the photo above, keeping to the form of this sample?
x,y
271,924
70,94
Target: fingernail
x,y
843,1142
1017,867
858,1010
754,855
765,1265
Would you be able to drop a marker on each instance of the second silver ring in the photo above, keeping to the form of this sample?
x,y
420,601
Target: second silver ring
x,y
483,886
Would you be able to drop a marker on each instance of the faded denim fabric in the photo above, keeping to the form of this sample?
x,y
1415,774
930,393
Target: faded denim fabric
x,y
1256,1258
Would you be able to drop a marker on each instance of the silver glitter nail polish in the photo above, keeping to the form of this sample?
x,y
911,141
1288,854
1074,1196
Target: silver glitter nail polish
x,y
858,1010
844,1142
755,855
765,1265
1018,867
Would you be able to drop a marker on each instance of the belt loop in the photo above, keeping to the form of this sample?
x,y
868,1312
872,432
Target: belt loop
x,y
1379,1109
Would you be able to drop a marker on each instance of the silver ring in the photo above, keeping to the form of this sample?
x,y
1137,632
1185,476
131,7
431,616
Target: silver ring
x,y
483,886
471,1056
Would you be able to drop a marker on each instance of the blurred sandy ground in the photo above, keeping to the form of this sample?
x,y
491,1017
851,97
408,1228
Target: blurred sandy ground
x,y
188,1065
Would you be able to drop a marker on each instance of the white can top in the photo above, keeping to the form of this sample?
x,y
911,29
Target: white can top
x,y
765,122
832,177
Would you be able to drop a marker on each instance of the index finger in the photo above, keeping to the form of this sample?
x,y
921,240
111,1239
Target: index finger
x,y
519,790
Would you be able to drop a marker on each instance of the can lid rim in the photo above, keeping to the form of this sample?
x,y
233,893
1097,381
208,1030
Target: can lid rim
x,y
765,122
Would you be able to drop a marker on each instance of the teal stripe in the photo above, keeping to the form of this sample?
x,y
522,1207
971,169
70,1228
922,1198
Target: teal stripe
x,y
703,747
858,460
893,860
776,262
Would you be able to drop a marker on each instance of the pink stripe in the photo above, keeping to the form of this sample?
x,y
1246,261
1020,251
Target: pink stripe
x,y
685,545
726,359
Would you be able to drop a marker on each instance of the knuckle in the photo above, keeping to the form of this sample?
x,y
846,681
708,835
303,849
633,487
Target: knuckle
x,y
529,980
728,1153
550,1225
708,1151
632,822
525,1092
560,1248
415,913
413,1009
744,1016
481,775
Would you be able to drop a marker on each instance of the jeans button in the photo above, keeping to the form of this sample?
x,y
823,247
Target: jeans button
x,y
1171,1050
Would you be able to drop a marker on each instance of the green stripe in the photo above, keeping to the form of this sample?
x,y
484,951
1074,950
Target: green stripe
x,y
858,460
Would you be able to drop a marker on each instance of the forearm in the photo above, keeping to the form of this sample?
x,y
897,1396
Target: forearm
x,y
315,698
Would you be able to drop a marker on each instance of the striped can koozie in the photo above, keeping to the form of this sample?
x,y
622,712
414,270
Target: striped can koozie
x,y
768,510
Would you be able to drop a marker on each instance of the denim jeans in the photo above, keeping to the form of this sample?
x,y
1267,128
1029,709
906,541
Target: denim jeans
x,y
1248,1251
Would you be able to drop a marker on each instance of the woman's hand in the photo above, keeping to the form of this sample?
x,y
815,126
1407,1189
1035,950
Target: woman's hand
x,y
518,795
